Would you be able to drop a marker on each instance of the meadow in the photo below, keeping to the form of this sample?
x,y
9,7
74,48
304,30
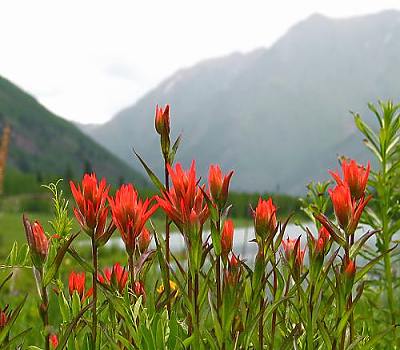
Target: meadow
x,y
63,286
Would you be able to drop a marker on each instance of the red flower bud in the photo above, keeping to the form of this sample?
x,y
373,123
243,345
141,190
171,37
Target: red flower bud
x,y
322,241
342,204
138,289
4,316
232,275
347,210
219,185
355,176
227,237
265,218
37,241
350,269
76,283
53,341
144,240
292,251
161,121
116,277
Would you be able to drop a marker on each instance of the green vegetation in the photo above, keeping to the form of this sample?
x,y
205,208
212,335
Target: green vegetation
x,y
38,139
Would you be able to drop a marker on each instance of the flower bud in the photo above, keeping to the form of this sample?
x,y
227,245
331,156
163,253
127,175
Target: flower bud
x,y
76,283
342,204
116,277
293,252
37,241
322,241
265,218
138,289
219,185
227,237
161,121
350,269
4,317
53,341
144,240
349,272
232,275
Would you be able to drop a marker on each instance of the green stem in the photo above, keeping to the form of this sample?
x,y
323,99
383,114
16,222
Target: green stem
x,y
45,315
94,282
261,320
275,287
130,265
389,284
218,268
167,241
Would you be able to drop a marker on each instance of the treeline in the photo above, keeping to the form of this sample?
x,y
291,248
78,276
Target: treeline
x,y
35,197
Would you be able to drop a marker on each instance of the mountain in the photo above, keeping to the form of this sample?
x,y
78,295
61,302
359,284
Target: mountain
x,y
278,116
43,143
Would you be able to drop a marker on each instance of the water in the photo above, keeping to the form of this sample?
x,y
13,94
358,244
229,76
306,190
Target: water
x,y
242,240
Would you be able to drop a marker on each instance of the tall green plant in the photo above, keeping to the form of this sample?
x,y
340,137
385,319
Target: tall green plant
x,y
383,213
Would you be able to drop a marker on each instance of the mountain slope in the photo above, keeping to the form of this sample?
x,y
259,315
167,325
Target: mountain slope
x,y
278,116
43,143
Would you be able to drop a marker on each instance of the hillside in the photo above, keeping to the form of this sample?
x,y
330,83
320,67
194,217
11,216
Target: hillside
x,y
279,116
45,144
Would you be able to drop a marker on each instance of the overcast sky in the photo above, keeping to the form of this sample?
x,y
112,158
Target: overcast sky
x,y
86,60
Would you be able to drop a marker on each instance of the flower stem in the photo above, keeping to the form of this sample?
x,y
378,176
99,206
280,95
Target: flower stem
x,y
167,241
45,314
261,320
94,282
218,269
130,264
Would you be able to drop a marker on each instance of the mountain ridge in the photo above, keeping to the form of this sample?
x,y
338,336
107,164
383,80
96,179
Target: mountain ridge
x,y
43,143
288,103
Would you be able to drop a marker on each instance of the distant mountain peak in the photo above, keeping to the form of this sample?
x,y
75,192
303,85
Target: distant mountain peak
x,y
278,116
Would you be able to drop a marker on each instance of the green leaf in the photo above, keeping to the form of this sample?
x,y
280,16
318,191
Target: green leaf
x,y
365,269
174,149
6,279
86,266
64,338
52,270
360,243
151,174
18,338
6,329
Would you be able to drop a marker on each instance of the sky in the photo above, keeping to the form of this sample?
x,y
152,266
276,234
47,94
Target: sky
x,y
86,60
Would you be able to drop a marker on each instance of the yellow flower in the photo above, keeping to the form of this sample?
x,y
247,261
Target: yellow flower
x,y
172,285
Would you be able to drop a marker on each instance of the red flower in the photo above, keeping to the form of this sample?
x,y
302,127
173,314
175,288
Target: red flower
x,y
350,268
265,217
232,274
184,202
227,237
347,210
323,239
219,185
91,211
130,214
76,283
116,277
144,240
292,250
355,175
138,289
4,316
162,120
53,340
37,241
